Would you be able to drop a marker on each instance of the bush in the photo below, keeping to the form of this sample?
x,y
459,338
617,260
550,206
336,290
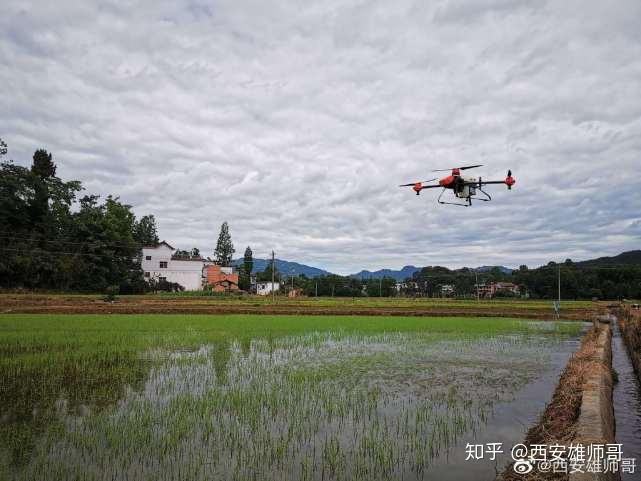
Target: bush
x,y
110,293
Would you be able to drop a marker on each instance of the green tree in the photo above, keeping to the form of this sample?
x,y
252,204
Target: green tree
x,y
43,165
46,244
245,273
145,231
224,247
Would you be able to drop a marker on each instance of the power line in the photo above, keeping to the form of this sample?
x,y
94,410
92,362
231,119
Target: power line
x,y
81,243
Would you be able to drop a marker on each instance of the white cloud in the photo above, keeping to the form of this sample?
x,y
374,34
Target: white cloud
x,y
296,121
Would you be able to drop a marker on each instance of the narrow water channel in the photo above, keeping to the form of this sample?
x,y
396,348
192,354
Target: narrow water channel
x,y
627,404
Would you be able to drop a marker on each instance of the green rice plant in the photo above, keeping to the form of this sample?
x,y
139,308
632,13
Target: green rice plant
x,y
250,397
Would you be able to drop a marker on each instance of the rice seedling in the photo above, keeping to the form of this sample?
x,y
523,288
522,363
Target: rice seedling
x,y
241,397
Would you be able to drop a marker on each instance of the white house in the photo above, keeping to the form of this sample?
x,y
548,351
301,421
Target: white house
x,y
264,288
159,262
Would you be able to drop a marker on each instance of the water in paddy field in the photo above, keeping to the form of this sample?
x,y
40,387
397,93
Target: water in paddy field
x,y
320,406
508,424
627,403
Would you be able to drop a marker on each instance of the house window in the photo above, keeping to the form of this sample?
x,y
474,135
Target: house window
x,y
163,264
146,274
147,258
162,279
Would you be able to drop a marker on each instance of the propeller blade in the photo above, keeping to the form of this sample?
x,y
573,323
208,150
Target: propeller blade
x,y
465,167
421,182
509,173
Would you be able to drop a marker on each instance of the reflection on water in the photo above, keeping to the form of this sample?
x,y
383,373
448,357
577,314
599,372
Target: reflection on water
x,y
314,407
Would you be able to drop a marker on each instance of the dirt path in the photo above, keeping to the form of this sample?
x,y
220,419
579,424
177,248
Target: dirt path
x,y
61,304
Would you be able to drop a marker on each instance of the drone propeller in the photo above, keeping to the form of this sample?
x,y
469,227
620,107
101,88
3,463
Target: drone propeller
x,y
421,182
465,167
509,180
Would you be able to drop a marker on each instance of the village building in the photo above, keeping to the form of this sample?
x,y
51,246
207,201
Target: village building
x,y
447,290
160,263
295,292
489,291
220,278
264,288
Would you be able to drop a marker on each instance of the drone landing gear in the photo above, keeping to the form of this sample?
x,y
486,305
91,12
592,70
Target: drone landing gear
x,y
466,204
488,196
468,199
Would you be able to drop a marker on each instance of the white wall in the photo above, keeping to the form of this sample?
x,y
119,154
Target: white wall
x,y
187,273
264,288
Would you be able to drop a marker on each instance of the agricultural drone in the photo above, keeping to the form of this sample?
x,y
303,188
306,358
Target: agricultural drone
x,y
464,187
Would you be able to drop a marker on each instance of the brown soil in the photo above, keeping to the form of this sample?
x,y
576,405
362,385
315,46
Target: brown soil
x,y
37,304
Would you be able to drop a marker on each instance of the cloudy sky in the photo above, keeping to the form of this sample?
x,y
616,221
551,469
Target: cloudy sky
x,y
295,121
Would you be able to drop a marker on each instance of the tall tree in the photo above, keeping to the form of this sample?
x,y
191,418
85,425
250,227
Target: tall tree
x,y
224,247
43,165
245,273
145,231
43,169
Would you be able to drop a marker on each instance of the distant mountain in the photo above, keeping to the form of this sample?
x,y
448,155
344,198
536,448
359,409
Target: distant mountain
x,y
401,275
284,267
625,258
503,269
294,268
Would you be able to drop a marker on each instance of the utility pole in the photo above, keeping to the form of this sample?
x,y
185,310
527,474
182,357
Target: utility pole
x,y
559,287
273,269
316,289
380,287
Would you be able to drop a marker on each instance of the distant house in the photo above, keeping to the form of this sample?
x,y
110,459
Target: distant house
x,y
489,291
296,292
221,279
507,287
160,263
447,290
264,288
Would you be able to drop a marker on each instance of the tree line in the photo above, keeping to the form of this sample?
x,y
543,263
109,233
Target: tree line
x,y
54,238
578,281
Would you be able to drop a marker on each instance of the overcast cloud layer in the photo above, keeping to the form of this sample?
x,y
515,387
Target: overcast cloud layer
x,y
296,121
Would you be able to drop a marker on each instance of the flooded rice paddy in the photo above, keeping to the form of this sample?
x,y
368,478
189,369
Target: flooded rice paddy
x,y
321,404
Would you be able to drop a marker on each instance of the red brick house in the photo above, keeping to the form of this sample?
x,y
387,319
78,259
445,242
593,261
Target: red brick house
x,y
221,279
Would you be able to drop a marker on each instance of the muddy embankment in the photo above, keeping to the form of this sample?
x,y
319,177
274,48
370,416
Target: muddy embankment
x,y
630,325
581,409
43,304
